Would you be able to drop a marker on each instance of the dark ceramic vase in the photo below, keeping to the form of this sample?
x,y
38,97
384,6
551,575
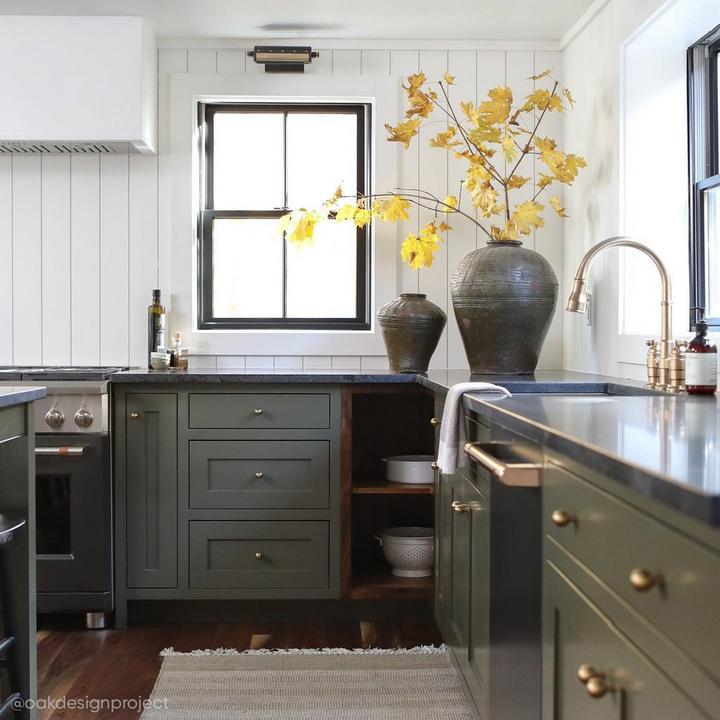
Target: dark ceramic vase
x,y
504,297
411,328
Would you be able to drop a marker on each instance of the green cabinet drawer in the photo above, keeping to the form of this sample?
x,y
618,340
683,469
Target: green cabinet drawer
x,y
252,474
627,685
259,411
274,555
623,546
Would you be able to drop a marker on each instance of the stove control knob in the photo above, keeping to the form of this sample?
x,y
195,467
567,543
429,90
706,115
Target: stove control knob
x,y
54,418
83,418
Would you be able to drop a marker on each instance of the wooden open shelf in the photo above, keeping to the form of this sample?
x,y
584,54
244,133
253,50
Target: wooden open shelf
x,y
381,584
383,487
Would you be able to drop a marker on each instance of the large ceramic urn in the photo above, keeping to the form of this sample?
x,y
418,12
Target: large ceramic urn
x,y
504,296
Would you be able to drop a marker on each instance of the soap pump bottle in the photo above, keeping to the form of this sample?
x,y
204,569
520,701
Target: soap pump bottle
x,y
701,362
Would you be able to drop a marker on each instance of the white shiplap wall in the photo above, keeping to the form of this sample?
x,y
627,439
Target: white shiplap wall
x,y
84,240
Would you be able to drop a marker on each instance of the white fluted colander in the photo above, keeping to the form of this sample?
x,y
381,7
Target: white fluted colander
x,y
410,550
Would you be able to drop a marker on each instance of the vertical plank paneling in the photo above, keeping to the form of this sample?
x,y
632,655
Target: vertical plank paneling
x,y
402,64
549,239
27,261
142,258
56,259
375,62
433,174
6,264
321,65
114,259
202,61
85,259
346,62
462,238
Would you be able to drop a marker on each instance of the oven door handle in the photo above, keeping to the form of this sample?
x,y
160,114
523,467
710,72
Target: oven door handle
x,y
64,451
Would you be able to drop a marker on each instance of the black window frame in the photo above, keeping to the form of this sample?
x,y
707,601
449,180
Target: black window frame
x,y
704,161
207,213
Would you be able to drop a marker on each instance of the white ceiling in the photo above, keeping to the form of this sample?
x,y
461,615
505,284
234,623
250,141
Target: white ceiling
x,y
380,19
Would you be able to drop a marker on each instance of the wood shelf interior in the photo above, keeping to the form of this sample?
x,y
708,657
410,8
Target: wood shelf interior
x,y
383,487
380,584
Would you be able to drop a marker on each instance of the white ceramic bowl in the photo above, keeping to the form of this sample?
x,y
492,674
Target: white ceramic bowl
x,y
410,469
410,550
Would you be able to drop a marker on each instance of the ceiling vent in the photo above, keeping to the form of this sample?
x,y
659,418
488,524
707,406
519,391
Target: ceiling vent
x,y
59,148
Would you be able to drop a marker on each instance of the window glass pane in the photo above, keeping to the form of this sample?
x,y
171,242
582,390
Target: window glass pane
x,y
321,278
321,153
712,252
247,268
248,161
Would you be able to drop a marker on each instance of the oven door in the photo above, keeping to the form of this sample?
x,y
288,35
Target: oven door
x,y
73,512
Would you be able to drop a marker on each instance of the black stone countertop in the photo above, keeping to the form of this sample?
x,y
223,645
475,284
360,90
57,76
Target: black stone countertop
x,y
19,394
664,446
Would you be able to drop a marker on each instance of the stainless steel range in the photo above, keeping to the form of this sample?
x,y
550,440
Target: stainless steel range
x,y
73,488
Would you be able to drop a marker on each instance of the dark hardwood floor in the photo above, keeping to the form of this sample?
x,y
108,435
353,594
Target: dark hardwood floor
x,y
75,663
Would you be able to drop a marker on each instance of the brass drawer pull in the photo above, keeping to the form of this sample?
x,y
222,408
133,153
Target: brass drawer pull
x,y
516,473
435,421
562,518
134,415
259,556
459,507
643,580
258,411
595,682
434,465
259,475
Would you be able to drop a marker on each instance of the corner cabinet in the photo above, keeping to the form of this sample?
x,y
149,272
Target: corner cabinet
x,y
230,495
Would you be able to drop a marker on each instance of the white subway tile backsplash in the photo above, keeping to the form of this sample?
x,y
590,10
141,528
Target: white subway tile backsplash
x,y
373,362
317,362
231,362
202,362
288,362
346,362
259,362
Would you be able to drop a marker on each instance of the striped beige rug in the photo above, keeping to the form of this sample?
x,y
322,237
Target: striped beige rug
x,y
334,684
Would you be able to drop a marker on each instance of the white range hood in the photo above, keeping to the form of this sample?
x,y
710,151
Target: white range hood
x,y
77,85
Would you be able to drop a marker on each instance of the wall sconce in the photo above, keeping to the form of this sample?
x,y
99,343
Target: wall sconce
x,y
283,59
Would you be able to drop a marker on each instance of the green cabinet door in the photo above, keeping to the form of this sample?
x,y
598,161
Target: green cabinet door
x,y
580,641
151,490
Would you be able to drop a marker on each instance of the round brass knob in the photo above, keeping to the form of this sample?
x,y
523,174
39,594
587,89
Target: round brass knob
x,y
643,580
562,518
459,507
259,556
585,672
134,415
259,475
258,411
597,686
434,465
434,421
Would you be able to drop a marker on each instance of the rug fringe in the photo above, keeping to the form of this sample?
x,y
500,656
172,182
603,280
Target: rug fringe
x,y
418,650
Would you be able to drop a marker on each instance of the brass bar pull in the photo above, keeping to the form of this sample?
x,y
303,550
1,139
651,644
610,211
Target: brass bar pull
x,y
643,580
459,507
134,415
518,474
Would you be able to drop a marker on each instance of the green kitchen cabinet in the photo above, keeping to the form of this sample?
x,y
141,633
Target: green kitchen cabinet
x,y
151,489
593,671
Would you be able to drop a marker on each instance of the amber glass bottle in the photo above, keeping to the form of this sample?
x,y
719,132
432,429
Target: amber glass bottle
x,y
701,363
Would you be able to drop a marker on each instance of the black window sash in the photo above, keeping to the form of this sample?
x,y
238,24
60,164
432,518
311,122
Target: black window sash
x,y
206,319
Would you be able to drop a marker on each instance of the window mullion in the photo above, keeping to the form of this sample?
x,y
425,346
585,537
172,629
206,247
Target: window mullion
x,y
285,203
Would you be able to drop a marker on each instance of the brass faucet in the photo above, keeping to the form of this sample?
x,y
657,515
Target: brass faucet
x,y
669,357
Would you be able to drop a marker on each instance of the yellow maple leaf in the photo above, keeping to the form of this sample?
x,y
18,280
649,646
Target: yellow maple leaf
x,y
545,180
517,181
299,225
507,232
346,212
444,227
526,216
484,197
421,104
450,203
392,210
445,140
558,206
415,82
541,75
362,217
404,132
335,196
497,108
509,147
470,111
448,78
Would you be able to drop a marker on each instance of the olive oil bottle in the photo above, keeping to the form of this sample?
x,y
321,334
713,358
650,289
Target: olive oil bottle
x,y
156,325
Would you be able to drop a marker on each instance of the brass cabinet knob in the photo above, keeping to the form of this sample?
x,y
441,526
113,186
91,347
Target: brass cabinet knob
x,y
134,415
562,518
434,421
643,580
434,465
585,672
459,507
597,686
258,411
259,556
259,475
